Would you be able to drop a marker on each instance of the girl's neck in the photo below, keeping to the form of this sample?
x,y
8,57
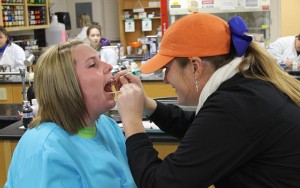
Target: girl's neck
x,y
97,47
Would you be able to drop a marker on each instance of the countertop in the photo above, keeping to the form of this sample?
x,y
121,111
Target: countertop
x,y
144,78
15,80
295,73
9,111
12,131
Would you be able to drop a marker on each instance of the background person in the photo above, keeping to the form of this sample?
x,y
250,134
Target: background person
x,y
108,55
286,49
245,131
71,143
85,22
11,54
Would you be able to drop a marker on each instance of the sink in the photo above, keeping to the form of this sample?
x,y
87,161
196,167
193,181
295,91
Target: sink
x,y
9,114
5,123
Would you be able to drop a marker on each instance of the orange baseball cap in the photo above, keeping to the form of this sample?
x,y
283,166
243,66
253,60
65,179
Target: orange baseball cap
x,y
197,34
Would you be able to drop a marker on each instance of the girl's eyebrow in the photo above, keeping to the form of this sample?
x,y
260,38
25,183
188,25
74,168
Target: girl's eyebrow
x,y
90,58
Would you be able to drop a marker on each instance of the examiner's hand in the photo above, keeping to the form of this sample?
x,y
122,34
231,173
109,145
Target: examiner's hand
x,y
130,106
129,77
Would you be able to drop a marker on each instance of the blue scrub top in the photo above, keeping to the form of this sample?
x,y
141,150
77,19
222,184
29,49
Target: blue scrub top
x,y
47,156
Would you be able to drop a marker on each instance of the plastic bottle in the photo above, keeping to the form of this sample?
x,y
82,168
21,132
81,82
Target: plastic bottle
x,y
27,114
295,65
135,69
56,32
34,107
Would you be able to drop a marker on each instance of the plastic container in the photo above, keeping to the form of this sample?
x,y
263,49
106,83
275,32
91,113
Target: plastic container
x,y
135,69
56,32
34,107
295,65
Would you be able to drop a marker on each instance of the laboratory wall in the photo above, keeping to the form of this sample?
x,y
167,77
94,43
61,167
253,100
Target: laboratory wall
x,y
289,17
105,12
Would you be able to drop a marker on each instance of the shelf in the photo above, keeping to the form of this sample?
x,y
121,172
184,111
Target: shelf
x,y
36,5
141,7
12,4
26,28
154,18
126,8
256,28
24,16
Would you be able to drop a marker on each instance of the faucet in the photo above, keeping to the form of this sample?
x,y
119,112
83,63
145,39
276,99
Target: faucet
x,y
3,70
23,75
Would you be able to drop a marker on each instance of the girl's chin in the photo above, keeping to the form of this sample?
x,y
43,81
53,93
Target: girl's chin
x,y
113,104
110,104
112,96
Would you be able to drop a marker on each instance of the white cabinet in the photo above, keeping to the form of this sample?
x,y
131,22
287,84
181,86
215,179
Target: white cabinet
x,y
261,16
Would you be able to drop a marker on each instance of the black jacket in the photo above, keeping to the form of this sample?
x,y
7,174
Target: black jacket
x,y
247,134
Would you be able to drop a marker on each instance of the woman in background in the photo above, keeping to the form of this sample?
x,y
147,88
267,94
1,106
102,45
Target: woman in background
x,y
286,50
71,143
99,43
11,54
85,22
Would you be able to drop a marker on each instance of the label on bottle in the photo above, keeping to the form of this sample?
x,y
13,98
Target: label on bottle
x,y
27,118
64,37
27,114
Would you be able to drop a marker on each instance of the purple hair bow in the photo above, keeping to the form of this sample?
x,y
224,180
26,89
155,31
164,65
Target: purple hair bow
x,y
240,41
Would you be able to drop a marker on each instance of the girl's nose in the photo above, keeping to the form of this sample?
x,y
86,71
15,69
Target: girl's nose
x,y
108,67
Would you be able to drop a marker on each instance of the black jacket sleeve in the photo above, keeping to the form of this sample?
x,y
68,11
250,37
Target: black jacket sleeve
x,y
172,119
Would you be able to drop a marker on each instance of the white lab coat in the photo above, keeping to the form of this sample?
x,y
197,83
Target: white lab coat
x,y
109,55
284,48
13,56
82,36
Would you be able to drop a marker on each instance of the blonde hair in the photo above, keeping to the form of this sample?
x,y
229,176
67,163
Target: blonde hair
x,y
261,66
85,20
264,67
57,89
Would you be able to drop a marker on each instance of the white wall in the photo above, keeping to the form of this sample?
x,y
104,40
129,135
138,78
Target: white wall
x,y
289,16
105,12
275,25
